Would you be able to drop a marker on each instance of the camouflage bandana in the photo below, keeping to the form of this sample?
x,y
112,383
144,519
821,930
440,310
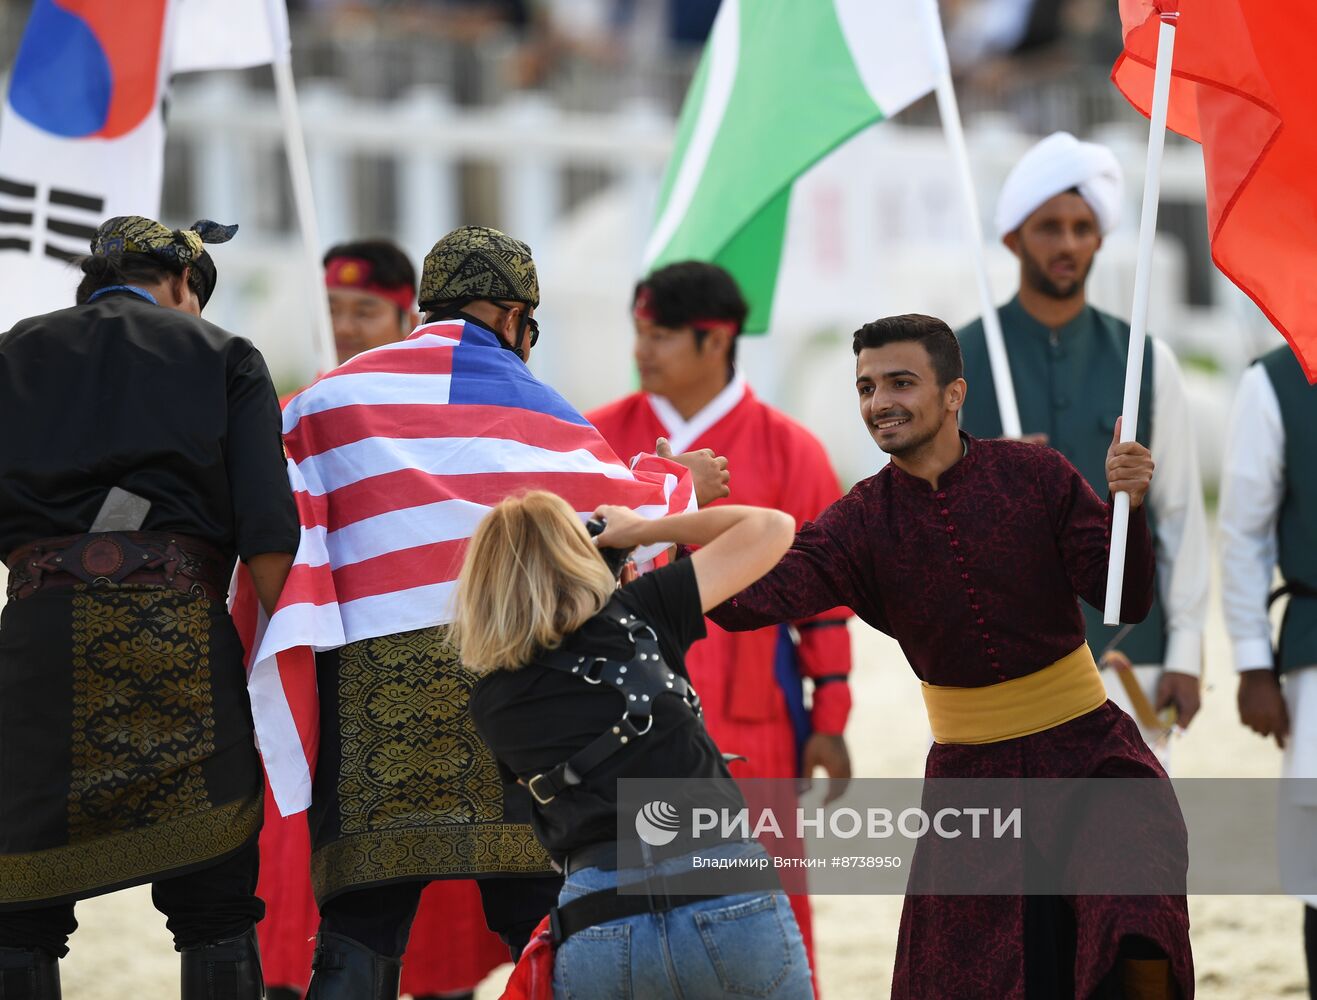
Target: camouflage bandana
x,y
179,247
475,262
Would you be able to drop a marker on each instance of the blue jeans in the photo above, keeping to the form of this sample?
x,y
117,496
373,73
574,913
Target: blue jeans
x,y
728,946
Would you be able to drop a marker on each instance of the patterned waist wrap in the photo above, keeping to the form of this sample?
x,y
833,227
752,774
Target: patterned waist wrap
x,y
126,748
1062,691
404,789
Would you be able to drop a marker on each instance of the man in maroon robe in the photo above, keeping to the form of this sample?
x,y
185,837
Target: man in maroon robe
x,y
971,553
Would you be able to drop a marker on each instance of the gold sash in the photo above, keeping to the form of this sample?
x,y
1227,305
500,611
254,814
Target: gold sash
x,y
1065,690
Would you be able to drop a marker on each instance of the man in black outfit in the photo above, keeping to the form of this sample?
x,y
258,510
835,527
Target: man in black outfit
x,y
141,456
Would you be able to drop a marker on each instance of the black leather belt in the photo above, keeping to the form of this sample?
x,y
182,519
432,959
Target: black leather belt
x,y
600,855
147,558
607,905
1291,589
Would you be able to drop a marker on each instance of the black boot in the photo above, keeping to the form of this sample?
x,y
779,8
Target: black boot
x,y
344,969
28,974
224,970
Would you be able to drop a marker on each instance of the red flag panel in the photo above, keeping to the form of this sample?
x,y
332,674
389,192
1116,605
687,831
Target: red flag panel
x,y
1242,85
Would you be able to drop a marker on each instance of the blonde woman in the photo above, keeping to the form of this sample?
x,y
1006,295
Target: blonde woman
x,y
562,650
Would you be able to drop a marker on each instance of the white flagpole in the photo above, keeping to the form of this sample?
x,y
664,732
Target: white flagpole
x,y
300,174
949,112
1161,94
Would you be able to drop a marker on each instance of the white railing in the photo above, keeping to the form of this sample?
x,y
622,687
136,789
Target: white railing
x,y
880,228
232,132
528,143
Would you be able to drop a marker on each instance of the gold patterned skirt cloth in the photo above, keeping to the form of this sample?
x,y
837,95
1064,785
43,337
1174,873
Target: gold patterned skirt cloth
x,y
405,790
126,748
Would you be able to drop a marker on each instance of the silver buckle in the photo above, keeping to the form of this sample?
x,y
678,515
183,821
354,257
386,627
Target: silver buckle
x,y
649,724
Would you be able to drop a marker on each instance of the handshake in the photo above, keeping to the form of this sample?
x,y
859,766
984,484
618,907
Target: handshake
x,y
708,471
709,475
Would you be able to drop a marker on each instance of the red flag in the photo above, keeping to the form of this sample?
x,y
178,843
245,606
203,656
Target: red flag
x,y
1242,86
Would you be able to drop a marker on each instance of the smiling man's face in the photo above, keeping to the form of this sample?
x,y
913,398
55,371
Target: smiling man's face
x,y
900,399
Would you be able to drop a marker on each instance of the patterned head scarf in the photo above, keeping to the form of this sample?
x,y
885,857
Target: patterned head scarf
x,y
177,247
476,262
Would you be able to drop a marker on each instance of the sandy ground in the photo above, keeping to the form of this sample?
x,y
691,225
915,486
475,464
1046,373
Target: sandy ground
x,y
1244,946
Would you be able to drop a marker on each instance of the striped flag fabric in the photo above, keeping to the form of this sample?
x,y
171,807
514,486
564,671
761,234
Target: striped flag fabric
x,y
394,457
780,85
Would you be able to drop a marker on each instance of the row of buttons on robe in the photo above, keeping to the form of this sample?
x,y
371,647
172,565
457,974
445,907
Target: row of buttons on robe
x,y
970,592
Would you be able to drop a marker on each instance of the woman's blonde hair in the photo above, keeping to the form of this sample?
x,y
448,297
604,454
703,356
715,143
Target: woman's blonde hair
x,y
532,576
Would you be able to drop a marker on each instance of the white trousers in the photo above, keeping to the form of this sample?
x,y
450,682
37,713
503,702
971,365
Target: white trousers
x,y
1297,824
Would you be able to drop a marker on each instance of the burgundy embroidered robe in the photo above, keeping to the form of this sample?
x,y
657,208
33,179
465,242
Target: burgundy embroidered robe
x,y
977,579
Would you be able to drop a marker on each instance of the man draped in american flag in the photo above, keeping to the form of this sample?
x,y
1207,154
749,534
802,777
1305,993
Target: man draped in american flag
x,y
394,457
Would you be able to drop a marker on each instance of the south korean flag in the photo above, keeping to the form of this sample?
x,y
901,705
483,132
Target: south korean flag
x,y
82,133
81,139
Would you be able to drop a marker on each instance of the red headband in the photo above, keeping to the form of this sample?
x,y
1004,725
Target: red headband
x,y
644,309
357,274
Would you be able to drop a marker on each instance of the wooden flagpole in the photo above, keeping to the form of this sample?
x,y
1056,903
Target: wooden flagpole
x,y
1161,93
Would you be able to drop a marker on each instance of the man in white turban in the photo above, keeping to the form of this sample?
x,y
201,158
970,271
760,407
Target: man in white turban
x,y
1057,165
1068,365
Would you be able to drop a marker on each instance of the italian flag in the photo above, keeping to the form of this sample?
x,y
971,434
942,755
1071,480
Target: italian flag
x,y
781,84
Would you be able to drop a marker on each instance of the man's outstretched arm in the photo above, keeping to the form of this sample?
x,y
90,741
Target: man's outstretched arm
x,y
822,570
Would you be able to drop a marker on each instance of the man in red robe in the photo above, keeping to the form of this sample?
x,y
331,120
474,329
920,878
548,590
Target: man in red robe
x,y
372,299
971,553
687,318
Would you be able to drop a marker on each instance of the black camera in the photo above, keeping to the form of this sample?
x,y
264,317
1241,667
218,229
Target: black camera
x,y
614,558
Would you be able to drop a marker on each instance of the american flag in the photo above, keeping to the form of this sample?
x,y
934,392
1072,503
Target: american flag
x,y
394,457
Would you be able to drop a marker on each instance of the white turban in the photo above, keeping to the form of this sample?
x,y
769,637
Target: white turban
x,y
1058,163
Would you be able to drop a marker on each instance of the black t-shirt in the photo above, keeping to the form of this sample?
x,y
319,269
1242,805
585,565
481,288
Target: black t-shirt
x,y
535,718
121,392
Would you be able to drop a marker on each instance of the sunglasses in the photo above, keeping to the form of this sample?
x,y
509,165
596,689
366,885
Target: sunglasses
x,y
531,323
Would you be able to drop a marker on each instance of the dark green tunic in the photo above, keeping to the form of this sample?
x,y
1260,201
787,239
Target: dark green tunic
x,y
1296,529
